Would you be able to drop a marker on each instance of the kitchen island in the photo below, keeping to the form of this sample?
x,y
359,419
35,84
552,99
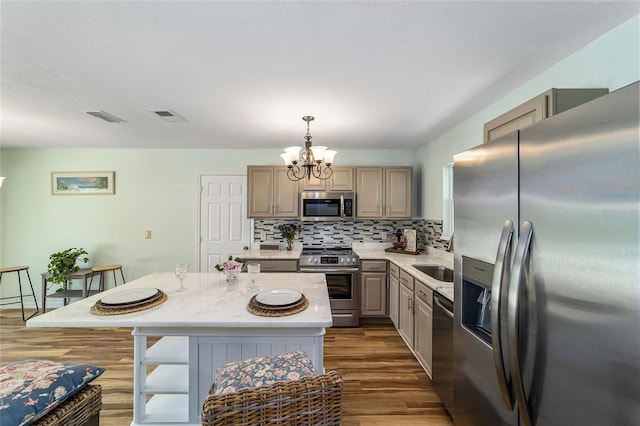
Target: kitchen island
x,y
201,329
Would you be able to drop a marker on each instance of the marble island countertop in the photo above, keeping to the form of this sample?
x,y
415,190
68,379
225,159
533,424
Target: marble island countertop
x,y
208,302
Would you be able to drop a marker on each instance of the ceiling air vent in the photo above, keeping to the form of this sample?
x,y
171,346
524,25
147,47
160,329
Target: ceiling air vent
x,y
106,116
169,115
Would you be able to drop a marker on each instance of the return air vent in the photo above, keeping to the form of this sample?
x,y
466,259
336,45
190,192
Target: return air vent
x,y
169,115
106,116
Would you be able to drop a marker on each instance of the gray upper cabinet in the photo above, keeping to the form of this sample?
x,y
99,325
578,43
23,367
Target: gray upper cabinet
x,y
398,192
271,194
545,105
341,180
384,192
369,192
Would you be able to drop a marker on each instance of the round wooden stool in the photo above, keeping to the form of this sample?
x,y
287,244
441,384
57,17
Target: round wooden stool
x,y
101,270
19,269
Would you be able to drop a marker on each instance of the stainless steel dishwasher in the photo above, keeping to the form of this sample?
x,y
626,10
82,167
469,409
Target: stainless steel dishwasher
x,y
442,362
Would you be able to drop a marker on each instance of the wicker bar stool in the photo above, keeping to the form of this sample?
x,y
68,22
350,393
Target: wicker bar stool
x,y
280,389
19,269
101,271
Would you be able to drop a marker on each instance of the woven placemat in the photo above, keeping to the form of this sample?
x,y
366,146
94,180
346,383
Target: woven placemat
x,y
98,309
255,309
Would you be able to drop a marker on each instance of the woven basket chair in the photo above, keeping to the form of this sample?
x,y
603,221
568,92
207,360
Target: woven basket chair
x,y
82,409
313,400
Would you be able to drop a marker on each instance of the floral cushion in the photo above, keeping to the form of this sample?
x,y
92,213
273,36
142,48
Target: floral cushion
x,y
262,371
30,389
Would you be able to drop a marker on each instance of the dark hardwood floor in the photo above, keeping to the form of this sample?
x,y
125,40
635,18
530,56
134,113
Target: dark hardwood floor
x,y
384,384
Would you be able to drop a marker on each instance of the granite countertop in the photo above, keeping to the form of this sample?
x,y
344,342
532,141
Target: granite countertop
x,y
373,251
208,302
256,253
404,262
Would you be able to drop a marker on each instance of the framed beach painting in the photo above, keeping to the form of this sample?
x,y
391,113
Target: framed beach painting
x,y
82,183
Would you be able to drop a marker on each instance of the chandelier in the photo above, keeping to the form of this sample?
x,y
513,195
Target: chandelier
x,y
308,162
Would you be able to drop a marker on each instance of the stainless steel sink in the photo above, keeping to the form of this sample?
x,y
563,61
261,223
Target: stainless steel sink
x,y
439,272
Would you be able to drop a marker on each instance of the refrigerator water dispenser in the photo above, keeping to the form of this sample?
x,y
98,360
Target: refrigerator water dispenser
x,y
476,298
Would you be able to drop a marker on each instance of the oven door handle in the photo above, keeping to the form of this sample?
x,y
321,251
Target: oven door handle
x,y
329,270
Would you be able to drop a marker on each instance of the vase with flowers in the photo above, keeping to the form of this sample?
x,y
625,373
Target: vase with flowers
x,y
288,232
231,268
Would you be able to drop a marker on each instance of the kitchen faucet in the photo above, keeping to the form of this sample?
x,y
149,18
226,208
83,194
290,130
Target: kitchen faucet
x,y
450,243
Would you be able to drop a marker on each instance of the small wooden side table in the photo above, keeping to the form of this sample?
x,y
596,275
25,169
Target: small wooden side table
x,y
83,274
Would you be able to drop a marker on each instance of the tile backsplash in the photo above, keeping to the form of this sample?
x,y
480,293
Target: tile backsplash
x,y
334,234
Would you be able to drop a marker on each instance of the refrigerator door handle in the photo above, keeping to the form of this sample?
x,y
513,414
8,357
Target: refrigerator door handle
x,y
513,314
499,295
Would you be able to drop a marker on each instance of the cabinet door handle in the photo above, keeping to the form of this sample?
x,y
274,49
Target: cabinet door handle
x,y
409,305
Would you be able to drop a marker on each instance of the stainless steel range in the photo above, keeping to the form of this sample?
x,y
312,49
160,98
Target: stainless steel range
x,y
340,266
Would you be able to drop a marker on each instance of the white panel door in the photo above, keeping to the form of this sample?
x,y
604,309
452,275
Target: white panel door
x,y
224,227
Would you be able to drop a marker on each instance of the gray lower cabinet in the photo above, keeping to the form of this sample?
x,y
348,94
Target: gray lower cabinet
x,y
276,265
394,293
406,306
374,288
423,323
411,311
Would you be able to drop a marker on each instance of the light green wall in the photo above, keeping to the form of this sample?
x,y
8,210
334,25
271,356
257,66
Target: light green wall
x,y
612,61
156,189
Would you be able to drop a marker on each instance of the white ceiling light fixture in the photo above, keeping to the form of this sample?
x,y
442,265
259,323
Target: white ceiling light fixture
x,y
308,162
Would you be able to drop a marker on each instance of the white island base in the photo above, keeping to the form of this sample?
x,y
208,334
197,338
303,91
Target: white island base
x,y
187,360
201,329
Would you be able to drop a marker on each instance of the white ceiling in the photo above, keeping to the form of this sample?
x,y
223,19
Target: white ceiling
x,y
374,74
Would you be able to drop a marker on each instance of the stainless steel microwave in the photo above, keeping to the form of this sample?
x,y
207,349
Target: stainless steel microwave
x,y
327,206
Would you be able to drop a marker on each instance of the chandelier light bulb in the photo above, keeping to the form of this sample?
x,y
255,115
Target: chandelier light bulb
x,y
294,153
285,158
328,157
318,153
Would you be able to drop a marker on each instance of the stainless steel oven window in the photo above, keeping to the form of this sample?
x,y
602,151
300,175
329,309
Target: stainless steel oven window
x,y
340,286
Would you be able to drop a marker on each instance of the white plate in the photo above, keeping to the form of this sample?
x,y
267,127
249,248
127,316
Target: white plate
x,y
279,297
129,296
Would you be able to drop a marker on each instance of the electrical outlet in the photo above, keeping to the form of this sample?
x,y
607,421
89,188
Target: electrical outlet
x,y
384,236
147,235
263,235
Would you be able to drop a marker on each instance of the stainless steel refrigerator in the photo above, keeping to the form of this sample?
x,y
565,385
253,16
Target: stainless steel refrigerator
x,y
547,254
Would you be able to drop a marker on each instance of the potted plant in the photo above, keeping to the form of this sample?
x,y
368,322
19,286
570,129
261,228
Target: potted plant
x,y
288,232
64,263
